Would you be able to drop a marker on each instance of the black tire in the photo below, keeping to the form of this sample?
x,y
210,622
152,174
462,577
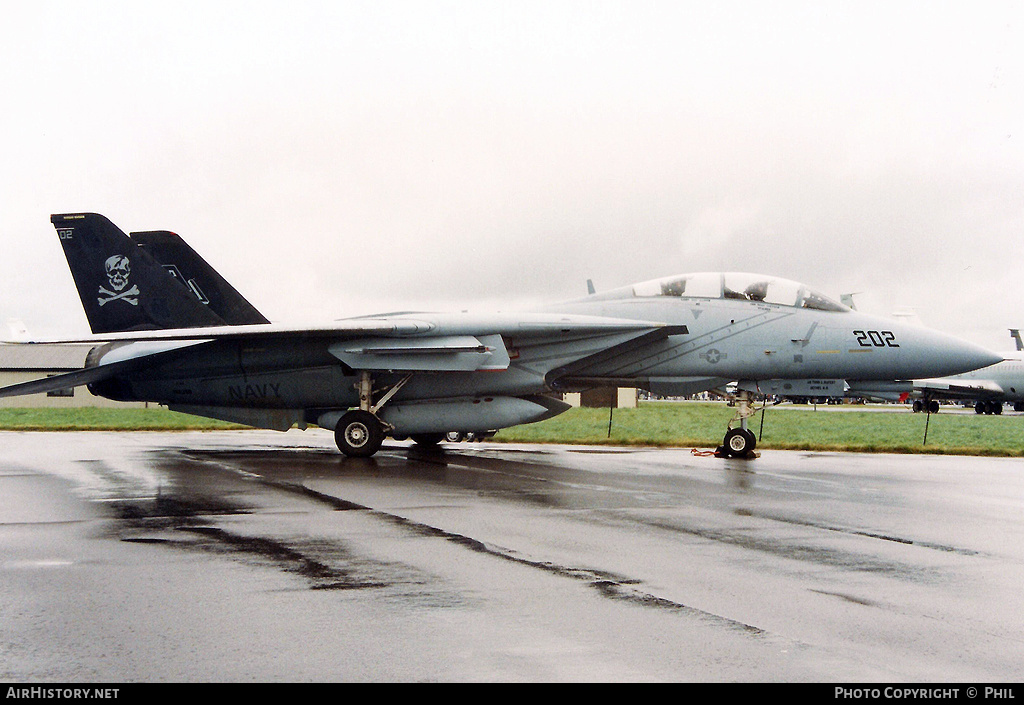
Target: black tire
x,y
979,407
359,434
453,437
739,442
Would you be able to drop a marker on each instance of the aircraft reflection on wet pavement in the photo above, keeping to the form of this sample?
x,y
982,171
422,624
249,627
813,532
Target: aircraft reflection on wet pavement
x,y
262,556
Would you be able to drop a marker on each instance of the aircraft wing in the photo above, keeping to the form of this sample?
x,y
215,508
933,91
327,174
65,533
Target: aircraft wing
x,y
602,367
428,343
393,326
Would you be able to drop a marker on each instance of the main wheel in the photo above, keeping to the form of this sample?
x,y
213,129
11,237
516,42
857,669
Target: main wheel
x,y
739,442
359,434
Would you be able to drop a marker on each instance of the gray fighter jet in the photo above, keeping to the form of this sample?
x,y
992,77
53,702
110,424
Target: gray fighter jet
x,y
173,332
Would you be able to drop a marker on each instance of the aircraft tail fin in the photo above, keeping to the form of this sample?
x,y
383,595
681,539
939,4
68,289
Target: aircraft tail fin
x,y
121,286
209,287
18,330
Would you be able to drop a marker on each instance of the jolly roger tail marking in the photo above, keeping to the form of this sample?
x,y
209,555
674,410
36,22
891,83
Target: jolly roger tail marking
x,y
123,296
118,268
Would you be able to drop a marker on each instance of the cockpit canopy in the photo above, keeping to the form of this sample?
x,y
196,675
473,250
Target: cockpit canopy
x,y
739,286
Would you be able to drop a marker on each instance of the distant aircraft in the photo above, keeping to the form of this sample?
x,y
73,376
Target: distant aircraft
x,y
989,387
184,340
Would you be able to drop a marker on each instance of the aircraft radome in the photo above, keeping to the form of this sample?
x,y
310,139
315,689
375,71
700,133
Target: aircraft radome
x,y
989,387
170,330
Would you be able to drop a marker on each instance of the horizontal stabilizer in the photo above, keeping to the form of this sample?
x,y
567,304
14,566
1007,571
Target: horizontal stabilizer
x,y
90,375
61,381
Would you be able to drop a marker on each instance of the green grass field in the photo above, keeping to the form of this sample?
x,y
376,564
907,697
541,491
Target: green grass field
x,y
702,425
687,424
105,419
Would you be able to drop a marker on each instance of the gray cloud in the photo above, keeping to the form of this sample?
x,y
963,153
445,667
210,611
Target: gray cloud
x,y
343,158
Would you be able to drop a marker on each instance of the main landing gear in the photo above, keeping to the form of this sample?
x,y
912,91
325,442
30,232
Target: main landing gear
x,y
359,433
990,407
739,442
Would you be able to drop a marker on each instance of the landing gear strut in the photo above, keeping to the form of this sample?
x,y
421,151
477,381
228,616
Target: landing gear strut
x,y
739,442
359,433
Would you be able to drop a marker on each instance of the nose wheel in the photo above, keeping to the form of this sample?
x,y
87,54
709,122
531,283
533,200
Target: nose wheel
x,y
739,442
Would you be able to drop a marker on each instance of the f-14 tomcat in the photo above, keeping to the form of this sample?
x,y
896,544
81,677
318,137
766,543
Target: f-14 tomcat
x,y
170,330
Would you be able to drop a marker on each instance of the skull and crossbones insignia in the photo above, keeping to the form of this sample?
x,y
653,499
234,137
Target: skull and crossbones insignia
x,y
118,268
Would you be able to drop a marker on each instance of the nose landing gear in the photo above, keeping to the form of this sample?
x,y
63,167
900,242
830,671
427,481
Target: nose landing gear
x,y
739,442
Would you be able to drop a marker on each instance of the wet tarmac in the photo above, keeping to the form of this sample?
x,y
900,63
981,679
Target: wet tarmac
x,y
260,556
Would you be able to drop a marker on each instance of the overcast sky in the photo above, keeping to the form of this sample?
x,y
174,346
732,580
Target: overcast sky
x,y
341,158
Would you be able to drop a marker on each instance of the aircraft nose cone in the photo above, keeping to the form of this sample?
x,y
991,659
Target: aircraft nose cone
x,y
943,355
974,357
